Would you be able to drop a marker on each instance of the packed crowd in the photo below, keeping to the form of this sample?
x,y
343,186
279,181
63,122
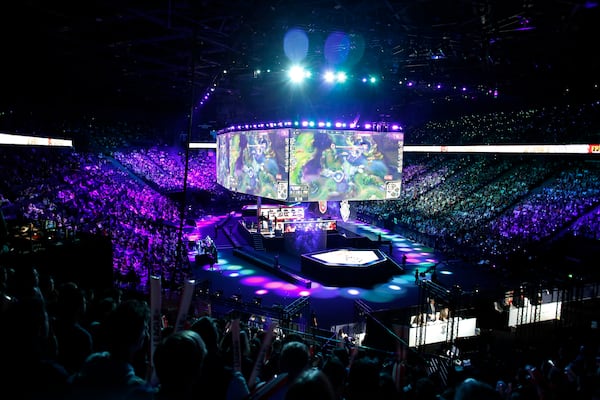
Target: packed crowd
x,y
498,205
567,123
59,341
165,167
88,194
497,211
490,205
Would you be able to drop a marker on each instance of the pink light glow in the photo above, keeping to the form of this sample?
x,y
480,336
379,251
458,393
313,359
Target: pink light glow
x,y
289,286
274,285
255,280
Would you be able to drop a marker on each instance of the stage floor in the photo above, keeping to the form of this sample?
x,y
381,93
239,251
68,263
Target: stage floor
x,y
332,305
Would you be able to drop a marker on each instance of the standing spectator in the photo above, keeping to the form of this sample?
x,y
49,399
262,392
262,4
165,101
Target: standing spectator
x,y
473,389
178,361
336,372
431,310
74,340
224,382
363,379
26,283
295,357
311,384
111,374
29,368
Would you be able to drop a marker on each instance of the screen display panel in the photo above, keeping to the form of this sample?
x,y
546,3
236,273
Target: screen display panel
x,y
254,162
311,164
335,165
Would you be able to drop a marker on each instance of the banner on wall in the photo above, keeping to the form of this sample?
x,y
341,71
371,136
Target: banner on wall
x,y
283,213
344,210
323,206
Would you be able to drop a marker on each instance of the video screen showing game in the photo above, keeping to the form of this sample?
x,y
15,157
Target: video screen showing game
x,y
337,165
254,162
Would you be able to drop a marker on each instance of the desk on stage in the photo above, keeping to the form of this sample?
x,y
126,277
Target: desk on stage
x,y
529,313
439,331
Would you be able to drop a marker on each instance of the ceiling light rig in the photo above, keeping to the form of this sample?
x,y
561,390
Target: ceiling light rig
x,y
301,75
210,91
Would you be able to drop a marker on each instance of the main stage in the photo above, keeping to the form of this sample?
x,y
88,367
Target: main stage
x,y
316,251
349,267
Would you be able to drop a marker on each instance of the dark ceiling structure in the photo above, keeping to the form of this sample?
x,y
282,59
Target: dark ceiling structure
x,y
168,55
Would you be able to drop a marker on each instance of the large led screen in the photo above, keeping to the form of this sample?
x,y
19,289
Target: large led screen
x,y
311,164
254,162
339,165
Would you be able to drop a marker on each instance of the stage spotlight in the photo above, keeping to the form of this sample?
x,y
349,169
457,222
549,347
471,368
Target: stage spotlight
x,y
341,77
329,77
257,301
297,74
219,293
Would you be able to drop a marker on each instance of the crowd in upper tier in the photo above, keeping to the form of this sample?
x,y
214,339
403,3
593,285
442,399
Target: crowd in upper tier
x,y
497,205
491,205
534,125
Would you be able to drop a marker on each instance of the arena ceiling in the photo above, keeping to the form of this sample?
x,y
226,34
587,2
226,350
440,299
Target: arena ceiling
x,y
168,54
